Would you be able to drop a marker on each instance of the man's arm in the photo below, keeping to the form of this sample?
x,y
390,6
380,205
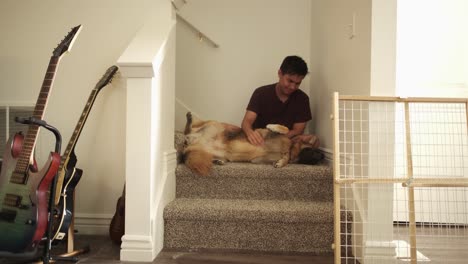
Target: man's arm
x,y
254,137
298,129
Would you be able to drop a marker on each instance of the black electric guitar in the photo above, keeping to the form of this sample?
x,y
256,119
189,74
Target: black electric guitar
x,y
68,174
23,189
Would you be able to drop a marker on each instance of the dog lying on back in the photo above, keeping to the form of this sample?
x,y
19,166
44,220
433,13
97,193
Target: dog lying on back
x,y
211,141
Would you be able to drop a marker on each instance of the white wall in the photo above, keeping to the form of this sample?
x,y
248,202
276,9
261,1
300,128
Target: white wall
x,y
338,62
30,31
432,50
254,37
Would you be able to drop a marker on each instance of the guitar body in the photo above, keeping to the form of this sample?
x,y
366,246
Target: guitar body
x,y
23,188
24,207
117,225
65,206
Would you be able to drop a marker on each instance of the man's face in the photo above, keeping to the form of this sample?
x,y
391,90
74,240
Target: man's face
x,y
289,83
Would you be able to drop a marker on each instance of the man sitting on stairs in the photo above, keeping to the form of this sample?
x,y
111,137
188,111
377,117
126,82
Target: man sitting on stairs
x,y
281,103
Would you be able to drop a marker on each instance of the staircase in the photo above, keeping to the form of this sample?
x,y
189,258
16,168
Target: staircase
x,y
252,207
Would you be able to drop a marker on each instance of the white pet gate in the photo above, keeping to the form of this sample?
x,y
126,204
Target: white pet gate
x,y
400,180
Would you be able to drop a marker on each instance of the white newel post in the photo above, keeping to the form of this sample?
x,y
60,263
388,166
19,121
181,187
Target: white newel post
x,y
148,64
137,243
379,247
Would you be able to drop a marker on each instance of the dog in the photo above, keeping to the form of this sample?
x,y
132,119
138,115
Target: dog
x,y
208,142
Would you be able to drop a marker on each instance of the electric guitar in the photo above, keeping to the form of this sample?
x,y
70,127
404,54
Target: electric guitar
x,y
23,189
67,171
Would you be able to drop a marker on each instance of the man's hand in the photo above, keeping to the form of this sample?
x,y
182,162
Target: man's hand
x,y
254,138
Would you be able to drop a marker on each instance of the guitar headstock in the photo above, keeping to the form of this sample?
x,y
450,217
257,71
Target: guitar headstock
x,y
107,77
66,44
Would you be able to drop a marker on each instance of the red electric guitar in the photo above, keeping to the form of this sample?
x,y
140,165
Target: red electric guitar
x,y
24,188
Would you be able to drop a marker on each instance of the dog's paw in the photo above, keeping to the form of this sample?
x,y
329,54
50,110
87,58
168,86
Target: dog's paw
x,y
219,162
280,163
278,128
188,124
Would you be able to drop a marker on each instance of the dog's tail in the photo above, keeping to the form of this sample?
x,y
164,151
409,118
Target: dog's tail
x,y
199,161
278,128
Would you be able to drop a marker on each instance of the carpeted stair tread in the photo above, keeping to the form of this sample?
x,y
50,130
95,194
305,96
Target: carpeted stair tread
x,y
249,207
249,225
257,181
247,170
249,210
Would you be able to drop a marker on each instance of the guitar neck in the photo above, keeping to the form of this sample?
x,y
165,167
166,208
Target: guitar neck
x,y
105,80
31,136
79,127
68,160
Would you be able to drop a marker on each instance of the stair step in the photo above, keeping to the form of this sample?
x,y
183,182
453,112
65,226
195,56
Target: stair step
x,y
257,181
249,225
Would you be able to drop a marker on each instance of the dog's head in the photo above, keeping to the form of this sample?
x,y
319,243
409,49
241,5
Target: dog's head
x,y
304,150
310,156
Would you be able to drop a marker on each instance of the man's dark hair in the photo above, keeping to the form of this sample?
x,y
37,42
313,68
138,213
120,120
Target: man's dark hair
x,y
294,65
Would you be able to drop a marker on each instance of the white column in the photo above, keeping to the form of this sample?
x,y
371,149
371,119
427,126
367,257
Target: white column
x,y
143,63
137,243
378,231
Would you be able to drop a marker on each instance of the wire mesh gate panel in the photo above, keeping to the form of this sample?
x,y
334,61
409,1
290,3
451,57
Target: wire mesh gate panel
x,y
400,180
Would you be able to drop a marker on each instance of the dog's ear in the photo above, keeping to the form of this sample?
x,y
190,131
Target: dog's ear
x,y
310,156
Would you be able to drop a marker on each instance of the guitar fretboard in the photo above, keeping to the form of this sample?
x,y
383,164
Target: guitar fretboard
x,y
22,165
79,127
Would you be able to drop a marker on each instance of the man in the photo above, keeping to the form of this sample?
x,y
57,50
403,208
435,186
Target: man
x,y
281,103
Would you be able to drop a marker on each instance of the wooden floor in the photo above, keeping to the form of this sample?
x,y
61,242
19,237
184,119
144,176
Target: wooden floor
x,y
103,251
232,258
440,245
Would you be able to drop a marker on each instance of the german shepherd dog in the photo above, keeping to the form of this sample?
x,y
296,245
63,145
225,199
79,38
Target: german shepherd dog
x,y
208,142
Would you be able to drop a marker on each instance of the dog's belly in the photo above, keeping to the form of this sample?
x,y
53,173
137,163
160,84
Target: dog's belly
x,y
243,151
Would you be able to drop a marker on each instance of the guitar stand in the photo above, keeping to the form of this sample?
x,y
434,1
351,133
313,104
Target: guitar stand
x,y
46,257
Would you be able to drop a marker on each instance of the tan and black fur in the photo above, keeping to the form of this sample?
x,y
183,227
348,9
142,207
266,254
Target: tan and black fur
x,y
212,141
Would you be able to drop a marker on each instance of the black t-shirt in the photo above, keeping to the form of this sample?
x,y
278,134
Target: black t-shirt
x,y
270,110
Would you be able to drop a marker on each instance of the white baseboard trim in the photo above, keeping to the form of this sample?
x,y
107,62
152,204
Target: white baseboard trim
x,y
328,154
93,224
